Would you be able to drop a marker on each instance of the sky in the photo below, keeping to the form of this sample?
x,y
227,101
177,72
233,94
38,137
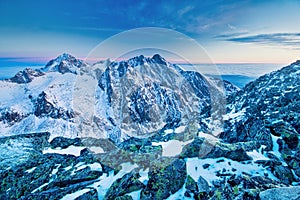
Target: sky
x,y
227,31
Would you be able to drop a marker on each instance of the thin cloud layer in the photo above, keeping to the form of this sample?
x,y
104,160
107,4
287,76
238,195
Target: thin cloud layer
x,y
282,39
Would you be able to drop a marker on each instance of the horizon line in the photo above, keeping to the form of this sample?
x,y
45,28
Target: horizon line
x,y
37,59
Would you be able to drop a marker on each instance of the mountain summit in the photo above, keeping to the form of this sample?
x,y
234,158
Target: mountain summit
x,y
64,63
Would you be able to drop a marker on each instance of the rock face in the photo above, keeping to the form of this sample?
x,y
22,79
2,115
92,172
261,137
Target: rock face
x,y
149,94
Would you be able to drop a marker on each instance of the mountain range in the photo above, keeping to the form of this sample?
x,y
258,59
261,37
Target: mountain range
x,y
144,128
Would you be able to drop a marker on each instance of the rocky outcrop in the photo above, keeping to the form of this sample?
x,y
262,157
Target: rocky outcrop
x,y
65,142
50,175
127,184
11,117
44,108
166,181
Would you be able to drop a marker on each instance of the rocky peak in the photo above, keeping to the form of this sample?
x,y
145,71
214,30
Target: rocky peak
x,y
64,63
296,63
137,61
158,59
26,76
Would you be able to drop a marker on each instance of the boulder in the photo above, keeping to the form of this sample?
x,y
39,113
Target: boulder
x,y
63,142
165,181
283,193
284,174
231,151
128,183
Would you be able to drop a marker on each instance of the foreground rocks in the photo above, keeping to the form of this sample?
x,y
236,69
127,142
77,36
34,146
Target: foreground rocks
x,y
136,169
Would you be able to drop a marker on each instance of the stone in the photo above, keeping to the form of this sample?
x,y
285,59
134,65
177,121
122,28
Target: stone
x,y
231,151
202,185
65,142
165,181
128,183
192,149
284,174
283,193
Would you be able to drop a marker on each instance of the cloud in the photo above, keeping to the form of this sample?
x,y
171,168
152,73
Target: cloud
x,y
231,35
185,10
281,39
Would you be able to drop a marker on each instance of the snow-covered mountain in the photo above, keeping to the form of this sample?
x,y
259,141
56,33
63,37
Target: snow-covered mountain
x,y
138,97
64,63
174,155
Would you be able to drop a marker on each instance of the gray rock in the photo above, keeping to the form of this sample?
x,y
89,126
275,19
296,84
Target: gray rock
x,y
231,151
284,193
191,185
65,142
193,149
128,183
284,174
202,185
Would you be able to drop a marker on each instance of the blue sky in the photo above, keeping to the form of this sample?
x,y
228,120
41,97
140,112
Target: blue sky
x,y
229,31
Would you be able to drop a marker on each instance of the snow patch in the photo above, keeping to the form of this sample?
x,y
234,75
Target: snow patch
x,y
71,150
275,146
257,155
30,170
135,194
39,188
55,170
234,115
94,167
96,150
209,137
144,176
172,147
106,180
168,131
227,166
180,129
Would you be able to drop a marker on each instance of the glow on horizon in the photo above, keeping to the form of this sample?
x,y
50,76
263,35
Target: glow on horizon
x,y
230,31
